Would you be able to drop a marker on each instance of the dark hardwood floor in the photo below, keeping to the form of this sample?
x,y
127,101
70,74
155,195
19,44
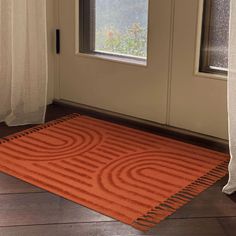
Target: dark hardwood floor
x,y
26,210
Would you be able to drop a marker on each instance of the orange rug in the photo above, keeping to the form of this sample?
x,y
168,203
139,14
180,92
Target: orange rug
x,y
132,176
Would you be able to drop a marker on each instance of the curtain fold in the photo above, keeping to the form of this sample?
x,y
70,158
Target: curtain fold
x,y
231,186
23,61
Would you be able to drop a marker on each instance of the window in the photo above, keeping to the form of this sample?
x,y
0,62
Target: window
x,y
215,35
114,27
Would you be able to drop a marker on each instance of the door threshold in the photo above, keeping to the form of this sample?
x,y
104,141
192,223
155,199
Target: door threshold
x,y
187,136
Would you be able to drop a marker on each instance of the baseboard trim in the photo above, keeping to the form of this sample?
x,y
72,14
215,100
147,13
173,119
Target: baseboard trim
x,y
187,136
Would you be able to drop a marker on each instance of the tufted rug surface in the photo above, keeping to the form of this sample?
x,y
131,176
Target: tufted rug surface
x,y
132,176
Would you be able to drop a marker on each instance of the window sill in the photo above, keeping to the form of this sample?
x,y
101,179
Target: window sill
x,y
211,76
114,58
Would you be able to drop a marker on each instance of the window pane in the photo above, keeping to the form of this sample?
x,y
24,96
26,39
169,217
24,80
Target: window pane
x,y
219,36
214,54
121,27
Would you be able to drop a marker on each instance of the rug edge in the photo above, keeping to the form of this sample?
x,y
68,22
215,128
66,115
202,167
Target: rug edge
x,y
38,127
168,207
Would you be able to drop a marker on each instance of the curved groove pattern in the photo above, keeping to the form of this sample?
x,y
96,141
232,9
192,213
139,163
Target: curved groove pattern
x,y
133,176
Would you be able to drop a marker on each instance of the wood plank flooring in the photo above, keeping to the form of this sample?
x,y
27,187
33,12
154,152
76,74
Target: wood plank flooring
x,y
29,211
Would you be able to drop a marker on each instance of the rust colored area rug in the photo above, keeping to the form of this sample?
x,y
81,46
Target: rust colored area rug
x,y
132,176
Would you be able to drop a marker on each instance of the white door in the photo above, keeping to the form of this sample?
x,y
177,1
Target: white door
x,y
127,88
166,91
198,101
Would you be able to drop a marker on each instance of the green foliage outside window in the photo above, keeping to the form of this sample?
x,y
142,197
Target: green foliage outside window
x,y
131,42
121,27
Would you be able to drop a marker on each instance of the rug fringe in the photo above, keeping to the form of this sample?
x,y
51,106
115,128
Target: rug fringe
x,y
168,207
37,128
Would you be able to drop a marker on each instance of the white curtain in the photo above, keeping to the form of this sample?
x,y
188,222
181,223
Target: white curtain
x,y
23,61
231,186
